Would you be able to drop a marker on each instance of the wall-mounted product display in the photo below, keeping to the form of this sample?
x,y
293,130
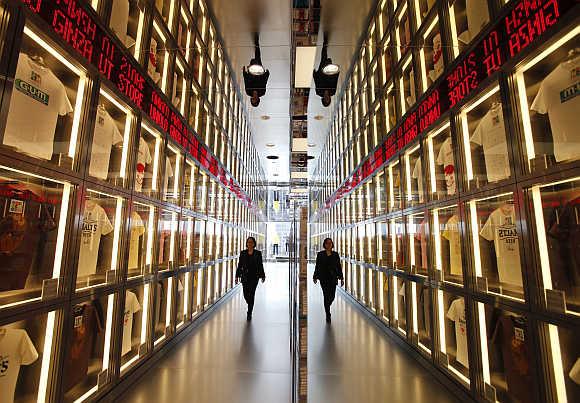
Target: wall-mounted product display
x,y
466,209
106,185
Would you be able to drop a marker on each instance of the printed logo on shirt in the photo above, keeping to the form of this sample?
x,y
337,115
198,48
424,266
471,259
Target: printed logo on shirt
x,y
78,321
4,364
101,121
31,91
496,120
570,92
508,232
36,78
519,334
16,206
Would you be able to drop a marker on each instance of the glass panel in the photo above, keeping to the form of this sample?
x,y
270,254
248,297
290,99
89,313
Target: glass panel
x,y
467,19
147,162
100,237
30,235
134,323
182,290
125,16
453,334
415,194
395,187
141,239
446,238
88,350
172,173
422,314
431,55
442,179
158,57
162,313
418,250
166,239
400,304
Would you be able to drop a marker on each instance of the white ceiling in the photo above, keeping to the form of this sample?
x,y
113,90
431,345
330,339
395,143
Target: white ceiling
x,y
237,19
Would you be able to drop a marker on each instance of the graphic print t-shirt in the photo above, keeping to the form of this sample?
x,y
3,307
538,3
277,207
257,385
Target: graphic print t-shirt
x,y
445,158
490,134
95,224
37,100
456,313
137,230
106,135
132,306
143,159
559,98
16,349
500,228
451,233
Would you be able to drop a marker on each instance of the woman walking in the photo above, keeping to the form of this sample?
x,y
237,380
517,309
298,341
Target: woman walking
x,y
250,270
328,270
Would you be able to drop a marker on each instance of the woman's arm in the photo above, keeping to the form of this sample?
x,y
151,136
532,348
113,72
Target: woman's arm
x,y
317,268
240,265
261,273
338,267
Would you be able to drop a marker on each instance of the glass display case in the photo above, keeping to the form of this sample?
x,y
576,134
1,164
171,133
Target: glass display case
x,y
453,335
136,317
446,238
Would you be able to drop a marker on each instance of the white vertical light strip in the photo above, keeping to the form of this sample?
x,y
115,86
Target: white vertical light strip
x,y
391,188
414,307
475,237
74,135
466,145
437,236
176,174
557,363
126,140
524,109
441,314
171,12
150,235
483,341
145,317
395,299
172,228
61,231
156,162
408,175
169,301
139,39
412,234
541,234
116,233
46,355
452,24
431,153
186,294
108,331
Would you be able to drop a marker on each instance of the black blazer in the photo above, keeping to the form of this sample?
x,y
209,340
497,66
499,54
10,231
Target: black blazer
x,y
247,270
328,268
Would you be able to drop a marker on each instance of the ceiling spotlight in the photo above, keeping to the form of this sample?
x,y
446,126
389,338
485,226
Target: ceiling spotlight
x,y
318,117
272,157
311,145
330,69
270,145
265,117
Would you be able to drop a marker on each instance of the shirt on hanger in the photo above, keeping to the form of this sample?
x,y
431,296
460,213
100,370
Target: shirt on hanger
x,y
445,158
120,19
452,234
38,98
95,224
132,306
500,228
558,97
137,230
456,313
143,159
16,349
105,136
490,134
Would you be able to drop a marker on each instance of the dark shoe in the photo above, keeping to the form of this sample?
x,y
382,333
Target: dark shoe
x,y
249,317
327,318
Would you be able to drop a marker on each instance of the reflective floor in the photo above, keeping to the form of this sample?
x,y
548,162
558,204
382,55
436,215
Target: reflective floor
x,y
228,360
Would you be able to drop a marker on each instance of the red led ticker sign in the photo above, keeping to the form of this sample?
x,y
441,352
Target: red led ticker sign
x,y
526,21
75,25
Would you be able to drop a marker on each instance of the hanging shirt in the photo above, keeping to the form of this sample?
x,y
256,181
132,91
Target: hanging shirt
x,y
38,98
456,313
445,158
452,234
105,136
477,16
143,159
95,224
418,174
137,230
558,97
500,228
120,19
16,349
490,134
132,306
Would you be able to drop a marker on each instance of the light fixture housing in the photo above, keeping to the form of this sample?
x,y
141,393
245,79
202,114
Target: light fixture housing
x,y
331,69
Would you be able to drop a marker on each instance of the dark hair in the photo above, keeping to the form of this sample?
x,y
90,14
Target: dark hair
x,y
255,99
328,239
253,240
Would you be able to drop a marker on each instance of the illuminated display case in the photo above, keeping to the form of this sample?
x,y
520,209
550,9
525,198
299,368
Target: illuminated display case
x,y
474,181
108,173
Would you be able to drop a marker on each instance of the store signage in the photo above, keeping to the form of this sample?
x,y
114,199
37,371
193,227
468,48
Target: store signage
x,y
526,21
76,26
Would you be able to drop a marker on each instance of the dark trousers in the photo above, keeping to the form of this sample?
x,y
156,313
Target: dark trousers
x,y
249,287
329,291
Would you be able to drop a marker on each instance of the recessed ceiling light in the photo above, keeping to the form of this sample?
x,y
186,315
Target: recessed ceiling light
x,y
270,145
265,117
318,117
272,157
275,175
311,145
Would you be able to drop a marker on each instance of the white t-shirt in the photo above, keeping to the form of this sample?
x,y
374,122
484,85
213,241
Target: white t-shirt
x,y
132,306
418,174
477,16
37,100
452,234
152,64
137,230
575,372
120,18
438,64
456,313
143,159
95,224
445,158
500,228
490,133
106,135
16,349
559,98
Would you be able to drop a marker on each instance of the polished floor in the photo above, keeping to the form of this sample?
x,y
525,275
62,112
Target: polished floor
x,y
229,360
